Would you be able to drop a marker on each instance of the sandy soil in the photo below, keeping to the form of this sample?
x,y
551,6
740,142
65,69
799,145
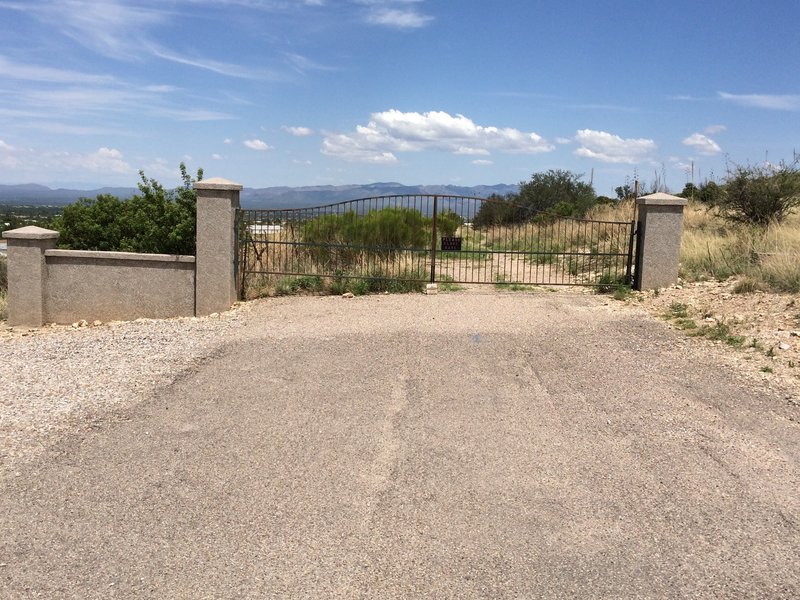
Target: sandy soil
x,y
770,324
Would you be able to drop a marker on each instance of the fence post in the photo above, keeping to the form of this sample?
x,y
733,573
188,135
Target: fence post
x,y
215,275
658,247
27,274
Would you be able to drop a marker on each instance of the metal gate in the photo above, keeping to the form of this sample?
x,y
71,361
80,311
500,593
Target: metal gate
x,y
432,238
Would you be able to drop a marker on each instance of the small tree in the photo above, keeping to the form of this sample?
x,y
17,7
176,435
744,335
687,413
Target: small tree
x,y
498,210
158,221
761,194
557,191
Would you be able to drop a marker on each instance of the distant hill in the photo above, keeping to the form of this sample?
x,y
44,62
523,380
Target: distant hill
x,y
271,197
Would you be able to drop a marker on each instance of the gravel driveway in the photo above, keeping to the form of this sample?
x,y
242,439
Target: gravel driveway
x,y
469,445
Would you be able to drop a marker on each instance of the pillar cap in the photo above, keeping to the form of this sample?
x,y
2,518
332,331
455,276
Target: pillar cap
x,y
31,232
661,199
217,183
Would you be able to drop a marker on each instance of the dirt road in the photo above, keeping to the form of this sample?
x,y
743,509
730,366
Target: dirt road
x,y
472,445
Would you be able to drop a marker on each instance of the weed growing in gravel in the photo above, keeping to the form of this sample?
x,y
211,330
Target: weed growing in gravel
x,y
720,332
378,281
446,284
766,369
677,310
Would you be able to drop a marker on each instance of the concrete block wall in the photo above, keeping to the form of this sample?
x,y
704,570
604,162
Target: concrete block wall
x,y
117,286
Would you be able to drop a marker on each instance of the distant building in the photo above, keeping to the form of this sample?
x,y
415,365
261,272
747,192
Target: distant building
x,y
259,229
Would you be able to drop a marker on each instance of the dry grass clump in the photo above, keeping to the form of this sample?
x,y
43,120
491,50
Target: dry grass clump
x,y
765,258
618,211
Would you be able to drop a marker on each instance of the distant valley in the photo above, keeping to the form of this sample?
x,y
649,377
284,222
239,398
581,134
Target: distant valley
x,y
270,197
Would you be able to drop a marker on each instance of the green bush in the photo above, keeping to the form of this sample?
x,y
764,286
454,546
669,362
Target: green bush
x,y
497,210
447,223
379,232
158,221
761,194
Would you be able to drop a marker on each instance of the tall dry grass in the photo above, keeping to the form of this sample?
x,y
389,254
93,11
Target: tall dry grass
x,y
712,247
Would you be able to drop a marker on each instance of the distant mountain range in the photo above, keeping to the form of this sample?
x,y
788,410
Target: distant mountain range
x,y
271,197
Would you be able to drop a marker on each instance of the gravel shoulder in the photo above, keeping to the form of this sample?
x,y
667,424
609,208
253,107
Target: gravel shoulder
x,y
57,380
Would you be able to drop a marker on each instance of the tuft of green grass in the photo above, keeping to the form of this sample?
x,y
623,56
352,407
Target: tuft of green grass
x,y
677,310
446,284
720,332
766,369
685,323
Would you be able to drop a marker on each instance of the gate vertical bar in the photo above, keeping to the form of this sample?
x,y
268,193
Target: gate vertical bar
x,y
628,278
433,238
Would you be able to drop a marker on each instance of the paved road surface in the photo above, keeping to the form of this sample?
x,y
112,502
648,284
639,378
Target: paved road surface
x,y
473,445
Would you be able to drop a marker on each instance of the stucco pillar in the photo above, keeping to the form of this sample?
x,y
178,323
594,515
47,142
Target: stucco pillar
x,y
215,283
27,274
658,248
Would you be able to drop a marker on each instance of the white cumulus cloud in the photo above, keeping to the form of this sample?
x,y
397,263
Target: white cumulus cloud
x,y
257,144
610,148
482,162
395,131
702,144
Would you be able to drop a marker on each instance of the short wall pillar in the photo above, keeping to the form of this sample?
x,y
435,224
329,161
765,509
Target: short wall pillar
x,y
658,247
27,274
215,283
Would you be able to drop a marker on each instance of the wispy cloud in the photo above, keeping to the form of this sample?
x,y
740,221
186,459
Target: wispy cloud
x,y
112,28
298,131
702,144
32,161
221,68
30,72
610,148
395,131
714,129
767,101
397,14
121,30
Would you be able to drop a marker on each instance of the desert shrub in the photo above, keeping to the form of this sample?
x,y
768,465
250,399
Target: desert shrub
x,y
380,232
760,194
448,222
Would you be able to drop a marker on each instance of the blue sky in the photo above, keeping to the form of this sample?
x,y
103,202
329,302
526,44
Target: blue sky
x,y
317,92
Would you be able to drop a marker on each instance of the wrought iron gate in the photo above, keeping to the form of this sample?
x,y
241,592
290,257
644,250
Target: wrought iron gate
x,y
431,238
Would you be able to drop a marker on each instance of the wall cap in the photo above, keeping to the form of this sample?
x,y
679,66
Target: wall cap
x,y
96,254
217,183
661,199
31,232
